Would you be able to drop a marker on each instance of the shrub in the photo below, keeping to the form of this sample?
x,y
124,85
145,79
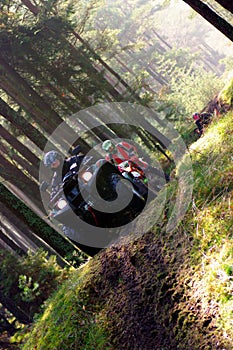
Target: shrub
x,y
28,281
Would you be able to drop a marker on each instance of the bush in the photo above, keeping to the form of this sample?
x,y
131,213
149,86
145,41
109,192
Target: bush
x,y
191,91
226,95
28,281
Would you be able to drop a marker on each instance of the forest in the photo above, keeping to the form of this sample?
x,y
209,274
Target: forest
x,y
154,276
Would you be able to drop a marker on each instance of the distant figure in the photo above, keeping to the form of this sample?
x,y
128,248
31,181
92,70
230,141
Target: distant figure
x,y
202,119
197,119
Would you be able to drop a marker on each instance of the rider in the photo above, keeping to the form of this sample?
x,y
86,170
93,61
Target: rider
x,y
61,167
117,153
122,151
197,119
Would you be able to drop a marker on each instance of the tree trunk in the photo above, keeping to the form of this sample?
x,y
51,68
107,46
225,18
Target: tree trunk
x,y
64,84
34,9
29,188
15,158
33,103
19,147
212,17
227,4
23,125
9,244
157,76
101,82
38,226
161,39
66,105
24,231
28,97
106,66
65,134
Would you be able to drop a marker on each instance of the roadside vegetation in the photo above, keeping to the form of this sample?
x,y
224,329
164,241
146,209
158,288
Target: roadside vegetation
x,y
164,291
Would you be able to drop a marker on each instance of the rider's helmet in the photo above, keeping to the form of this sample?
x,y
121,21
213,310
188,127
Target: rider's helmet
x,y
196,115
50,157
108,145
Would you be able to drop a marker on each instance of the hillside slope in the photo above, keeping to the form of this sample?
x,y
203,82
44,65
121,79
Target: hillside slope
x,y
159,291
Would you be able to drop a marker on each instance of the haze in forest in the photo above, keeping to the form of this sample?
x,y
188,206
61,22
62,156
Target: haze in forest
x,y
177,23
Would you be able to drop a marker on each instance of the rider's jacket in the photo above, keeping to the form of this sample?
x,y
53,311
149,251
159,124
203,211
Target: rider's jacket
x,y
125,151
70,165
196,117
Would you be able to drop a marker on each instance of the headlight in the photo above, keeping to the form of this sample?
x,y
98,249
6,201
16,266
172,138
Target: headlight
x,y
61,204
87,176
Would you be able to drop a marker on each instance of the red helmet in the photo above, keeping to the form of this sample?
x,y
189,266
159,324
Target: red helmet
x,y
196,115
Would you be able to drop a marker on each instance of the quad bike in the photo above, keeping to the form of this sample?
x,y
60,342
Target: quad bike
x,y
80,194
131,171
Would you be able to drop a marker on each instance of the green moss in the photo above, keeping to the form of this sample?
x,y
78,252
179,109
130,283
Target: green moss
x,y
69,321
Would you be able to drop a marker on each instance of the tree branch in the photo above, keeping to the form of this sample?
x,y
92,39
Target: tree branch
x,y
212,17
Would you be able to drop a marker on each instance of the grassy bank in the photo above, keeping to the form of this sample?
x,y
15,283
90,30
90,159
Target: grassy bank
x,y
160,291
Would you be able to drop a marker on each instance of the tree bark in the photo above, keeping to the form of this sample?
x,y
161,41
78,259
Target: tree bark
x,y
66,105
23,125
105,65
161,39
30,189
64,84
14,157
10,244
34,9
18,146
33,103
45,232
227,4
66,134
23,229
212,17
28,97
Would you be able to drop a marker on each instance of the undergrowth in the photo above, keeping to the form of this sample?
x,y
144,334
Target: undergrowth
x,y
70,320
212,222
